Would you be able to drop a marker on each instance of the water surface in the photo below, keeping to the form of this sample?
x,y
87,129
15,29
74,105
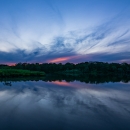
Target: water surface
x,y
61,105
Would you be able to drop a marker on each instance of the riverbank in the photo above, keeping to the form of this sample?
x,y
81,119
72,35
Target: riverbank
x,y
19,73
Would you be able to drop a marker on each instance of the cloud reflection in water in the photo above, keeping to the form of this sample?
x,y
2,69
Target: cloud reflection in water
x,y
42,105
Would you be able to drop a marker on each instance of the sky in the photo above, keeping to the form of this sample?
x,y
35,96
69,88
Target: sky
x,y
64,31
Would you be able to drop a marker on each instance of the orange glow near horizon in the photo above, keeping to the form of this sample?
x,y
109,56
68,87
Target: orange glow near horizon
x,y
59,59
55,60
9,64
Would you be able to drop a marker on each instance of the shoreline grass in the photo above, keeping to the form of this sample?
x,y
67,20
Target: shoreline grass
x,y
19,73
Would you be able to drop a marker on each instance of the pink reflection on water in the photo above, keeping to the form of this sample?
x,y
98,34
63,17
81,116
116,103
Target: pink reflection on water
x,y
62,83
74,84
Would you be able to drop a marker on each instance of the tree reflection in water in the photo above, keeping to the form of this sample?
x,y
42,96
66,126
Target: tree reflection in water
x,y
57,104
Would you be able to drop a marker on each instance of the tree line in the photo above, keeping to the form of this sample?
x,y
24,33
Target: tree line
x,y
91,68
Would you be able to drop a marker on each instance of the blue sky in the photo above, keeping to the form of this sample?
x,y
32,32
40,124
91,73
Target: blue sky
x,y
64,31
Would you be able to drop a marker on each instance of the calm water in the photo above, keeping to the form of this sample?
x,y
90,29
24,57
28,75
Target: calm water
x,y
64,105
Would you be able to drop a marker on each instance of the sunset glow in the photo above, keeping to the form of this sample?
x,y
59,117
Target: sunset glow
x,y
59,59
10,64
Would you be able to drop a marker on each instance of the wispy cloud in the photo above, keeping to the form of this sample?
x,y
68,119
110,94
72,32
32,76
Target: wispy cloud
x,y
42,33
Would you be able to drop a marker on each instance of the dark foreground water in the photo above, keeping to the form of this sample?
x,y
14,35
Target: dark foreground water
x,y
64,105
